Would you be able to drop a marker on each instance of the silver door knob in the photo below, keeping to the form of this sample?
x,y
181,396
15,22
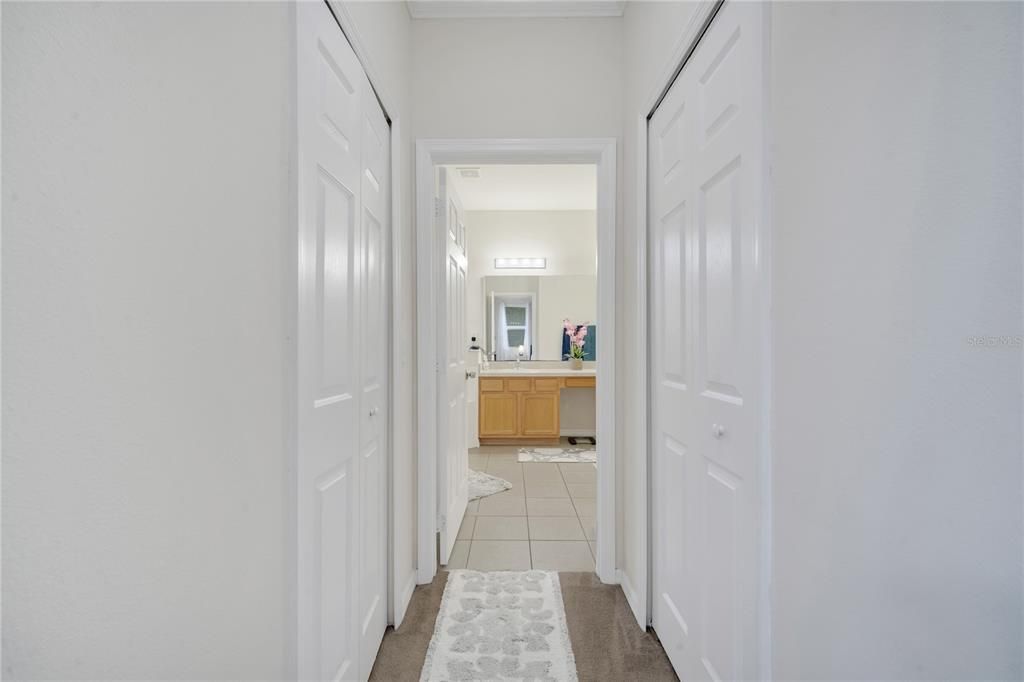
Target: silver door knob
x,y
717,430
470,374
373,411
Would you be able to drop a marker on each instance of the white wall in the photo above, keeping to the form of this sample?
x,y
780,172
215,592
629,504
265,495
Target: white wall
x,y
384,32
568,239
145,214
651,33
897,443
517,78
572,297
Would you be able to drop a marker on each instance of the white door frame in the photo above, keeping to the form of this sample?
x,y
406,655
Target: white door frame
x,y
432,153
400,587
701,18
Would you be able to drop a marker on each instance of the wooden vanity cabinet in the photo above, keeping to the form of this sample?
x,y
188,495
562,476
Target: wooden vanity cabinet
x,y
521,409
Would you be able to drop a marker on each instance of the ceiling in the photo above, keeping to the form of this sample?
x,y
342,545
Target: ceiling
x,y
527,187
491,9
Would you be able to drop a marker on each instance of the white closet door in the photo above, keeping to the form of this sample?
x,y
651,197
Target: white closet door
x,y
706,206
342,369
453,463
373,552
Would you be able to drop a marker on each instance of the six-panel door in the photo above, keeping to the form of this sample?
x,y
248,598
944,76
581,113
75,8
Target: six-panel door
x,y
341,487
706,182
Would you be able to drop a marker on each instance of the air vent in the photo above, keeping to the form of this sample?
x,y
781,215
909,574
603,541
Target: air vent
x,y
469,172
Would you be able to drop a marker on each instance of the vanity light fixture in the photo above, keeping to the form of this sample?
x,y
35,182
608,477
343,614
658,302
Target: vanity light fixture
x,y
520,263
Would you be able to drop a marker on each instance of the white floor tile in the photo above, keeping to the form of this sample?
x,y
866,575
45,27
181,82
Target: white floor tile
x,y
460,554
466,529
549,506
503,504
560,556
499,555
585,490
546,489
589,527
555,528
501,528
585,506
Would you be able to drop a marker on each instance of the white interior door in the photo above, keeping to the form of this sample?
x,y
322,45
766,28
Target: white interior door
x,y
374,241
453,460
342,366
706,205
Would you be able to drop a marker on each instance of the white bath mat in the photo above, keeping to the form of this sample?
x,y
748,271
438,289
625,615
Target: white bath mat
x,y
482,485
500,625
563,455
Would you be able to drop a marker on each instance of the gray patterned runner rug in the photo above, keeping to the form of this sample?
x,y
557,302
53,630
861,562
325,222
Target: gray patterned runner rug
x,y
571,454
500,625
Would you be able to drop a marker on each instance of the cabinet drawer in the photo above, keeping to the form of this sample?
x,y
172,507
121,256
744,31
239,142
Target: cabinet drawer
x,y
491,385
580,382
519,385
545,385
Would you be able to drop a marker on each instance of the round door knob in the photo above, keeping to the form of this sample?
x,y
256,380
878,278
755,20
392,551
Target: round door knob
x,y
373,411
470,374
717,430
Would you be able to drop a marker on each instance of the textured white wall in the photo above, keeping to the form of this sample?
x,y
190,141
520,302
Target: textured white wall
x,y
145,214
385,31
897,444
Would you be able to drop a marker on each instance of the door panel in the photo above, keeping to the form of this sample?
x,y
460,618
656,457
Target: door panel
x,y
538,414
705,203
342,369
453,465
373,569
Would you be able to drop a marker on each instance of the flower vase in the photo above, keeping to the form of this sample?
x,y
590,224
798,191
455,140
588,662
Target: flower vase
x,y
576,363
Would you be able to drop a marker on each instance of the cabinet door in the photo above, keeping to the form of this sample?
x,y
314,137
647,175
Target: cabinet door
x,y
498,414
538,415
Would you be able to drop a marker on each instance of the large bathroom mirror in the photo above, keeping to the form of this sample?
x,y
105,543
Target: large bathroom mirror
x,y
527,312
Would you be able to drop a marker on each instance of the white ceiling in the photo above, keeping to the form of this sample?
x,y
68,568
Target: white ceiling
x,y
528,188
503,9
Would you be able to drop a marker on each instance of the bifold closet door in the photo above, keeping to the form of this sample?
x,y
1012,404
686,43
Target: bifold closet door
x,y
706,208
343,219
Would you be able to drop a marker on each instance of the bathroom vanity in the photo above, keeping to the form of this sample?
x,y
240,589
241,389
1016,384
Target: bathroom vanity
x,y
522,405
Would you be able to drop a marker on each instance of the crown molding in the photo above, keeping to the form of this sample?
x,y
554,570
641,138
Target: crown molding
x,y
513,9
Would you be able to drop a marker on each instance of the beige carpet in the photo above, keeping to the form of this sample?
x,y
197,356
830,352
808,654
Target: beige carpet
x,y
606,641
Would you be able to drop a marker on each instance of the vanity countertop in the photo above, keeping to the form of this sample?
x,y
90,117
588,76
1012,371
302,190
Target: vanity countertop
x,y
538,372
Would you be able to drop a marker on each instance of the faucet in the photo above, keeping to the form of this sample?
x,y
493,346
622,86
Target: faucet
x,y
519,357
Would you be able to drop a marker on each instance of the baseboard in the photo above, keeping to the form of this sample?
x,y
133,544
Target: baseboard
x,y
403,599
633,599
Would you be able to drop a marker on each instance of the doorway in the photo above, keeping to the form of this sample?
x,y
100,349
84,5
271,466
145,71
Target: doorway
x,y
530,238
530,398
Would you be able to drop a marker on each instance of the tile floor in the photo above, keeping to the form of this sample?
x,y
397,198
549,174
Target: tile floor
x,y
546,521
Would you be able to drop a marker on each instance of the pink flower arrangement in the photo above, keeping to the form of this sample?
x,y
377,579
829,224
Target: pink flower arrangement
x,y
577,337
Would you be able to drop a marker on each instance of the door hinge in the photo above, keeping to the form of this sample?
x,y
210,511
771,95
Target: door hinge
x,y
442,523
437,208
